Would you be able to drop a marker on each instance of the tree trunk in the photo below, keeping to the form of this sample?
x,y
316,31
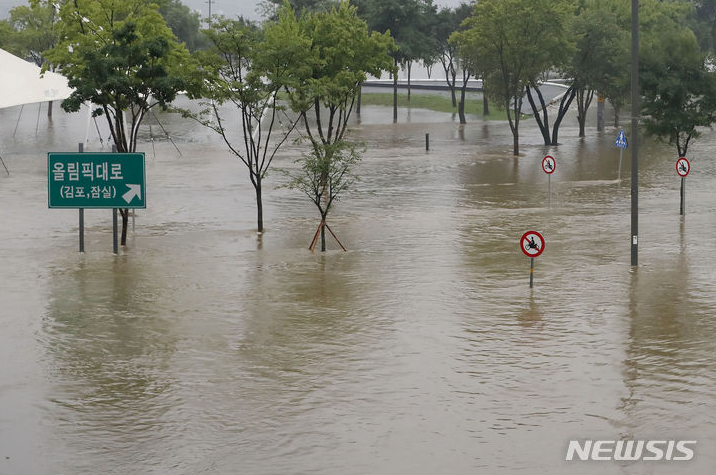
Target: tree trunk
x,y
410,67
461,105
451,84
564,104
543,121
395,92
360,92
323,235
616,115
447,67
49,109
513,118
581,112
259,208
600,113
584,100
485,102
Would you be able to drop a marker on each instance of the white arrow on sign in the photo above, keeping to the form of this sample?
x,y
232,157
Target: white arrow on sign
x,y
134,190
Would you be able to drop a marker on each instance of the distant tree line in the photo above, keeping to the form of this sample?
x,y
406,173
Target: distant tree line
x,y
128,57
515,45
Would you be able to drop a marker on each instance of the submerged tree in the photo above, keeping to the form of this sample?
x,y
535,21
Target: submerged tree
x,y
405,21
600,58
512,52
342,54
323,178
678,87
121,57
556,45
246,70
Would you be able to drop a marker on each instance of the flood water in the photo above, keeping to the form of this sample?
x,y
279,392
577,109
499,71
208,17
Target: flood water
x,y
204,348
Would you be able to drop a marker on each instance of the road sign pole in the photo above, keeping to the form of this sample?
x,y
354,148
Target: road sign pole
x,y
635,132
80,148
115,244
549,191
82,230
682,209
532,271
619,174
115,247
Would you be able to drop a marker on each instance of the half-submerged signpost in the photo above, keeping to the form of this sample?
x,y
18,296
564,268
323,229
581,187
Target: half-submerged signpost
x,y
549,165
532,245
621,143
96,181
683,167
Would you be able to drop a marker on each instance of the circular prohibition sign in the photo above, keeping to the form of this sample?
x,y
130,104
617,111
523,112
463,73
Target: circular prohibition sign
x,y
683,167
532,244
549,164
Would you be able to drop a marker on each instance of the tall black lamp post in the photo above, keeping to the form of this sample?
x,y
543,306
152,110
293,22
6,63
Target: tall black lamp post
x,y
634,132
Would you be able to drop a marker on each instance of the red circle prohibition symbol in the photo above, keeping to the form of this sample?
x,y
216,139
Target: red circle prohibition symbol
x,y
532,244
549,164
683,167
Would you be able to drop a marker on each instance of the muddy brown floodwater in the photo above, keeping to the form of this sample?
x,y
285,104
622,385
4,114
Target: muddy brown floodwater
x,y
203,348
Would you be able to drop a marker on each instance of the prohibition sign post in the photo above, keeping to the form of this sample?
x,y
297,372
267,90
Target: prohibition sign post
x,y
532,245
683,167
549,165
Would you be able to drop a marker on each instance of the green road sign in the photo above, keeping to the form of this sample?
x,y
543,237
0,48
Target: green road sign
x,y
96,180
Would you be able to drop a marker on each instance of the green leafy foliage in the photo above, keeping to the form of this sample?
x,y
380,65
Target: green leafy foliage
x,y
184,23
343,54
512,51
601,60
324,177
6,34
120,56
34,28
407,21
678,87
246,68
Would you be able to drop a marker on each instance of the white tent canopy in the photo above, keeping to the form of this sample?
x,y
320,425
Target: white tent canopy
x,y
21,83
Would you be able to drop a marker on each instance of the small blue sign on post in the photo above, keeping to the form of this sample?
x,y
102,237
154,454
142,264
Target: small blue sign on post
x,y
621,140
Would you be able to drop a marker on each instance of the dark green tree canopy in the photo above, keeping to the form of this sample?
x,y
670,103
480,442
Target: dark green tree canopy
x,y
678,87
34,30
185,24
121,56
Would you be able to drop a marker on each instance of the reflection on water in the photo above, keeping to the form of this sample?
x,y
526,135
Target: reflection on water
x,y
204,348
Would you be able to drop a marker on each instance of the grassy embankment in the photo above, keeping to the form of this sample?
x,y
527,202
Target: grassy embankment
x,y
438,103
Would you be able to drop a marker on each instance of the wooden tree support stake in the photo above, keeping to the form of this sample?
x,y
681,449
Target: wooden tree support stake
x,y
323,224
335,237
312,247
